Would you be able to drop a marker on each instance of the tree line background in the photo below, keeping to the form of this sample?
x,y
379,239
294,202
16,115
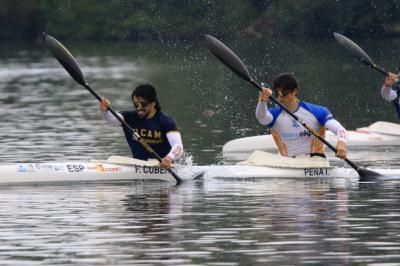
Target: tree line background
x,y
190,19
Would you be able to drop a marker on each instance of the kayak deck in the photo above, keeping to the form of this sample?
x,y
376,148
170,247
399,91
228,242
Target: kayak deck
x,y
95,171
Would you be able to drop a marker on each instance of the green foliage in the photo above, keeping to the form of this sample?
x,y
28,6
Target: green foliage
x,y
188,19
144,19
320,18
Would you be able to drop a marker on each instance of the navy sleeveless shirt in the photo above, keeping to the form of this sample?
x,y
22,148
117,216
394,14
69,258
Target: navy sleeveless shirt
x,y
153,130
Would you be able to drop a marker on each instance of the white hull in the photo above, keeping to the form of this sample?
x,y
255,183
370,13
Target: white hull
x,y
122,169
245,172
100,172
97,171
377,135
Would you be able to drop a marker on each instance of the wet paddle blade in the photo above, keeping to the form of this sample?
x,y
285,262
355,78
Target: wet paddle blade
x,y
65,58
227,57
356,50
368,175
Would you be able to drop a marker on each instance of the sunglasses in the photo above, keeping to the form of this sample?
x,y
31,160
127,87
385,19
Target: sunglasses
x,y
140,105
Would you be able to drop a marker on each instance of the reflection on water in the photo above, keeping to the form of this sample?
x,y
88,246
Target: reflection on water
x,y
46,116
329,222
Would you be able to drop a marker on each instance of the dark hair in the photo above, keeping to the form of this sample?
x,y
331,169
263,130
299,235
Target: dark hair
x,y
147,92
285,81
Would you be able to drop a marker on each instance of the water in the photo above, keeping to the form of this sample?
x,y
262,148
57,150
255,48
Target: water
x,y
46,116
273,222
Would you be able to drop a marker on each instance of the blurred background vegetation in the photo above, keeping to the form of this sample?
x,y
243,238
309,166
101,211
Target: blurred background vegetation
x,y
191,19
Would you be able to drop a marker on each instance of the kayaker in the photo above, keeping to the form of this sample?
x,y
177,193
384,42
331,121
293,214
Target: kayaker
x,y
390,91
157,128
290,136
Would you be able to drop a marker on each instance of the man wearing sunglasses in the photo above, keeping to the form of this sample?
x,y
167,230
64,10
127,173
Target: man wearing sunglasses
x,y
290,136
157,128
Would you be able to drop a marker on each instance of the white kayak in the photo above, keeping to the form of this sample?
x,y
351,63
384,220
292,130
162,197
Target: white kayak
x,y
241,172
121,169
378,134
267,165
115,169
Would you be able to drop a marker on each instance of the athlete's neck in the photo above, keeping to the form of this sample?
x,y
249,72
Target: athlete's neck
x,y
151,113
292,105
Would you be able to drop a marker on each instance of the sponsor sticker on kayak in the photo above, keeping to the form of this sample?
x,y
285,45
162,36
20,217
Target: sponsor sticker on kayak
x,y
102,168
26,168
44,167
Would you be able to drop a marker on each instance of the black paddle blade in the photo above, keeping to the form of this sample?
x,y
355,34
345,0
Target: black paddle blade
x,y
65,58
368,175
353,48
227,57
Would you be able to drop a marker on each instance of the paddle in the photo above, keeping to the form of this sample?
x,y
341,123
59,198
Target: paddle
x,y
357,52
231,60
70,64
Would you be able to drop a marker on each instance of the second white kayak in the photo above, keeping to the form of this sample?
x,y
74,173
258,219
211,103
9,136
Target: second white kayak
x,y
378,134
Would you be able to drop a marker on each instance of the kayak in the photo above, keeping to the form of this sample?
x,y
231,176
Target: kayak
x,y
378,134
114,169
267,165
122,169
241,172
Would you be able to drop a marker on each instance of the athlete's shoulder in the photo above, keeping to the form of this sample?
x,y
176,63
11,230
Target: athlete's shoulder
x,y
165,116
322,113
311,106
275,111
167,120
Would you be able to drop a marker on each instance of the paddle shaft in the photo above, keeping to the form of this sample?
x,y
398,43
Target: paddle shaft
x,y
135,134
377,68
259,87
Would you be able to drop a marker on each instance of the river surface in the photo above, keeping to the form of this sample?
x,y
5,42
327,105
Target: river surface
x,y
47,116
